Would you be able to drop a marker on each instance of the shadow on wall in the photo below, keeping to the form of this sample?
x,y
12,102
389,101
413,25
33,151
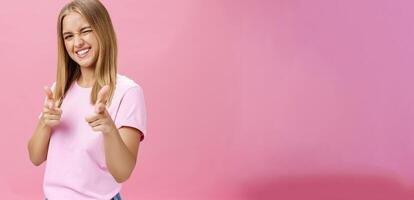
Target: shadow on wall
x,y
335,187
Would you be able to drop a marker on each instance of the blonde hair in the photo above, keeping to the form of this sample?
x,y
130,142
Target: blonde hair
x,y
68,70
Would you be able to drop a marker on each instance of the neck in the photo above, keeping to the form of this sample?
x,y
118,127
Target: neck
x,y
87,77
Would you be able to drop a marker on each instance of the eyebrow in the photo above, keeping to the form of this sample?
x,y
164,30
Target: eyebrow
x,y
86,27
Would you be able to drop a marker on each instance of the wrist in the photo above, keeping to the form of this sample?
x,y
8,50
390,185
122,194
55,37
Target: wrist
x,y
111,132
43,125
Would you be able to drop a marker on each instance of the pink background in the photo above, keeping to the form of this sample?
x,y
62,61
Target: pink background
x,y
282,99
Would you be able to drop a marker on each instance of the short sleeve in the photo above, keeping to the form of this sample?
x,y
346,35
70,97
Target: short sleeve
x,y
132,112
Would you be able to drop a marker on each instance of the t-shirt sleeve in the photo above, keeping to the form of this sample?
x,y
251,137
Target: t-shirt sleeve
x,y
132,112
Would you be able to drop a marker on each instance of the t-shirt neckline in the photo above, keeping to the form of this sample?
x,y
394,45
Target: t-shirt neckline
x,y
78,86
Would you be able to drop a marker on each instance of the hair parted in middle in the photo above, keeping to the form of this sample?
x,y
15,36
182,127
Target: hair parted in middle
x,y
68,70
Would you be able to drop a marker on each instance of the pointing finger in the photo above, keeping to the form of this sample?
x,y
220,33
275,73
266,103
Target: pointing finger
x,y
103,95
49,97
49,93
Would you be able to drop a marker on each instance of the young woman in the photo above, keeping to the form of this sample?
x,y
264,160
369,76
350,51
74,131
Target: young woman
x,y
93,119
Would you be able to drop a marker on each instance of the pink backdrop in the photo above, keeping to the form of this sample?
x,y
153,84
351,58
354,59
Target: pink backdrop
x,y
271,99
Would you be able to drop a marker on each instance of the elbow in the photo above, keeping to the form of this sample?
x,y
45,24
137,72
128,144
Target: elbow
x,y
121,174
119,180
122,178
36,161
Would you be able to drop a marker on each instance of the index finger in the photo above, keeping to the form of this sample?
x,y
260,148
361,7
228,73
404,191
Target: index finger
x,y
49,93
103,95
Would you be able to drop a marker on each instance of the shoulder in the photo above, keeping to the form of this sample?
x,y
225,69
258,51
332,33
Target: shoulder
x,y
128,94
124,83
126,87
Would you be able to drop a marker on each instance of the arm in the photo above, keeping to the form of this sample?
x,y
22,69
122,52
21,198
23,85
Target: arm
x,y
120,145
39,143
121,149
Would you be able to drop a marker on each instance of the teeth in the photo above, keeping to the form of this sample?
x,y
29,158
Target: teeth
x,y
82,52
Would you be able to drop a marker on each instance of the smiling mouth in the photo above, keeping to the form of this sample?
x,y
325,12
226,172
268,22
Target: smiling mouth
x,y
82,53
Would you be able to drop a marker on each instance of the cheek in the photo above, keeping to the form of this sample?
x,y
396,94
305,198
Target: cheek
x,y
94,44
68,47
92,39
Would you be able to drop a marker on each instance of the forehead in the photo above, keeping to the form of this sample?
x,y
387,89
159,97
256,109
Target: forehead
x,y
73,22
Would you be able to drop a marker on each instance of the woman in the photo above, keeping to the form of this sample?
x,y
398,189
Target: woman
x,y
93,118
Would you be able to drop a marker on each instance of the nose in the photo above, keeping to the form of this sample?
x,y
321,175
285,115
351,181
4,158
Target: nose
x,y
78,41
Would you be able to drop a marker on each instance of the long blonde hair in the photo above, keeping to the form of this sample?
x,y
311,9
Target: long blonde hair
x,y
68,70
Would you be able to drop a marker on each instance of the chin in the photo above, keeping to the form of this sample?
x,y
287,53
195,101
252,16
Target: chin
x,y
86,63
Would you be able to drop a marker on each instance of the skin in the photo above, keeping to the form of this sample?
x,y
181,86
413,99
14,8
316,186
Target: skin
x,y
121,145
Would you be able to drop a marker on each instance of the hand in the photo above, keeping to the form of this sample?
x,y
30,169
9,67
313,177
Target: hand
x,y
51,113
101,120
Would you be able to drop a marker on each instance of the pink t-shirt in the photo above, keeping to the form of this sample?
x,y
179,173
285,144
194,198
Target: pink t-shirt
x,y
76,167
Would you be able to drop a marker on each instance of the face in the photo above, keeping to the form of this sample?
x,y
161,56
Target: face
x,y
80,40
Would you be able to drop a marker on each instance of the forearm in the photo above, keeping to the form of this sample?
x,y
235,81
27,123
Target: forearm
x,y
119,160
39,143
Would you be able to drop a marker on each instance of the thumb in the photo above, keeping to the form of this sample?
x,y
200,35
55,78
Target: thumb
x,y
103,95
